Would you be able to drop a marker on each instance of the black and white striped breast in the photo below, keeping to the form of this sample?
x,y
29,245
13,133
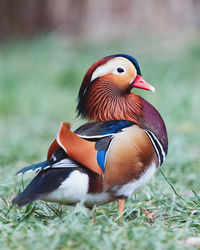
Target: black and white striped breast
x,y
159,149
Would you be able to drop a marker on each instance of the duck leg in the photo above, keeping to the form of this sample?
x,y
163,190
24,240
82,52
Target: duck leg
x,y
121,204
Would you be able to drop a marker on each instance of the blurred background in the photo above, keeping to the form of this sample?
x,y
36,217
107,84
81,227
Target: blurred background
x,y
97,19
46,47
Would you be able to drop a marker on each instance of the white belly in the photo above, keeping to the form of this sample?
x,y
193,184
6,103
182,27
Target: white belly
x,y
75,189
72,190
128,189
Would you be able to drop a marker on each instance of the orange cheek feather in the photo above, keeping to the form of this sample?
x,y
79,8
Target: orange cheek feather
x,y
122,82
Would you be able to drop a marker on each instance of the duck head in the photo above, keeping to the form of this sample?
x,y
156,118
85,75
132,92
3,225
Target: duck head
x,y
106,88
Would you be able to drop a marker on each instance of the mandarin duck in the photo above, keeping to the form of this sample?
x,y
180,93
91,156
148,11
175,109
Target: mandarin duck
x,y
114,154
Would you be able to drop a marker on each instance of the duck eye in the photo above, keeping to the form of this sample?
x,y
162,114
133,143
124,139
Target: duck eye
x,y
120,70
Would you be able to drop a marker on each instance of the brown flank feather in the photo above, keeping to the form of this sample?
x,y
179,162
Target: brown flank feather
x,y
130,154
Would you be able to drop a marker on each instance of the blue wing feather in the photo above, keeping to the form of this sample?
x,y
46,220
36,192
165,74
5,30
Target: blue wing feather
x,y
101,155
98,129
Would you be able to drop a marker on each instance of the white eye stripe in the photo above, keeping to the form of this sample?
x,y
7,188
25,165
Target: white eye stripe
x,y
111,66
104,69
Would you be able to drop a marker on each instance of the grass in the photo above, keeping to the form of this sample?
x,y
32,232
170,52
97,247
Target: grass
x,y
39,81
